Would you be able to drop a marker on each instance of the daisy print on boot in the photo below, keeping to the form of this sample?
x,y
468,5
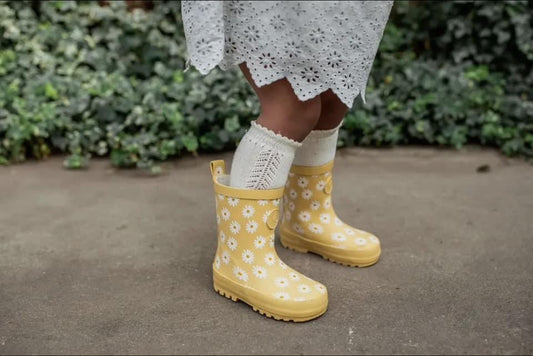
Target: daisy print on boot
x,y
246,266
313,225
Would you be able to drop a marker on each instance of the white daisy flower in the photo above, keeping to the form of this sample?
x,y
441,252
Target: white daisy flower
x,y
218,219
337,236
232,244
240,273
374,239
233,201
275,202
234,227
320,288
303,182
304,288
282,264
270,259
320,185
293,194
260,242
217,262
316,228
307,194
299,299
327,203
281,282
248,211
221,197
282,295
225,214
271,242
291,174
338,221
218,171
265,216
315,205
262,202
304,216
225,257
291,206
294,276
251,226
259,272
360,241
222,236
297,228
248,256
288,215
349,231
325,218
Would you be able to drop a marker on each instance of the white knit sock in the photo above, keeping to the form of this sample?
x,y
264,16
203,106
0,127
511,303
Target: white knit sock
x,y
318,148
262,160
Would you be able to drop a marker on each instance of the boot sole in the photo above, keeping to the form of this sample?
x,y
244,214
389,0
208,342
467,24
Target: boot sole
x,y
235,292
299,243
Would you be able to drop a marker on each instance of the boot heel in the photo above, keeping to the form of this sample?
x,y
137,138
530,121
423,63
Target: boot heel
x,y
291,242
225,293
221,290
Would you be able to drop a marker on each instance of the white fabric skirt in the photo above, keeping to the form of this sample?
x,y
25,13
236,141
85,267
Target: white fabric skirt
x,y
315,45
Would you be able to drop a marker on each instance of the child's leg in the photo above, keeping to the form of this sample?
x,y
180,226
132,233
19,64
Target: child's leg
x,y
333,111
265,154
320,145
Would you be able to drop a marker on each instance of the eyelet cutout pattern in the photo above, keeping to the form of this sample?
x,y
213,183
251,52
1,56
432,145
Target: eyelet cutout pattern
x,y
315,45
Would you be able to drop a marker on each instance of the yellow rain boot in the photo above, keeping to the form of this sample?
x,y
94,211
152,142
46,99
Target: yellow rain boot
x,y
310,224
246,265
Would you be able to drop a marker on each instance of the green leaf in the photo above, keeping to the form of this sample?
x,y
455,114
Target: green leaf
x,y
231,124
190,142
50,91
75,161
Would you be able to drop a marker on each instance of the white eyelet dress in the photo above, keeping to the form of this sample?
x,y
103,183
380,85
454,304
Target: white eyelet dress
x,y
315,45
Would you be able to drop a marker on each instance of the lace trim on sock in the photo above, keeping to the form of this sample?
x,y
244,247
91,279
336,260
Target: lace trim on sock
x,y
276,136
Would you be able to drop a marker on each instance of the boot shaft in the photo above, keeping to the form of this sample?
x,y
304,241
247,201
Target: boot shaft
x,y
246,220
307,198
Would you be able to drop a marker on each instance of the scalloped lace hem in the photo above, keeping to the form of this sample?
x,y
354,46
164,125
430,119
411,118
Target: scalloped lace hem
x,y
293,80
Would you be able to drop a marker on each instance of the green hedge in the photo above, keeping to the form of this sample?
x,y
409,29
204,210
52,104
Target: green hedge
x,y
96,81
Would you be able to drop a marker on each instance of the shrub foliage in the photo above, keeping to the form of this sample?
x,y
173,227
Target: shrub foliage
x,y
104,81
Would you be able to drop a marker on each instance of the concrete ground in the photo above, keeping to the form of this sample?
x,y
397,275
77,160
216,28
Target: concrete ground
x,y
113,261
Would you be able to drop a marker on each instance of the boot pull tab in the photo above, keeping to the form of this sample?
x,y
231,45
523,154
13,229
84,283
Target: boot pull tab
x,y
218,167
328,187
272,219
